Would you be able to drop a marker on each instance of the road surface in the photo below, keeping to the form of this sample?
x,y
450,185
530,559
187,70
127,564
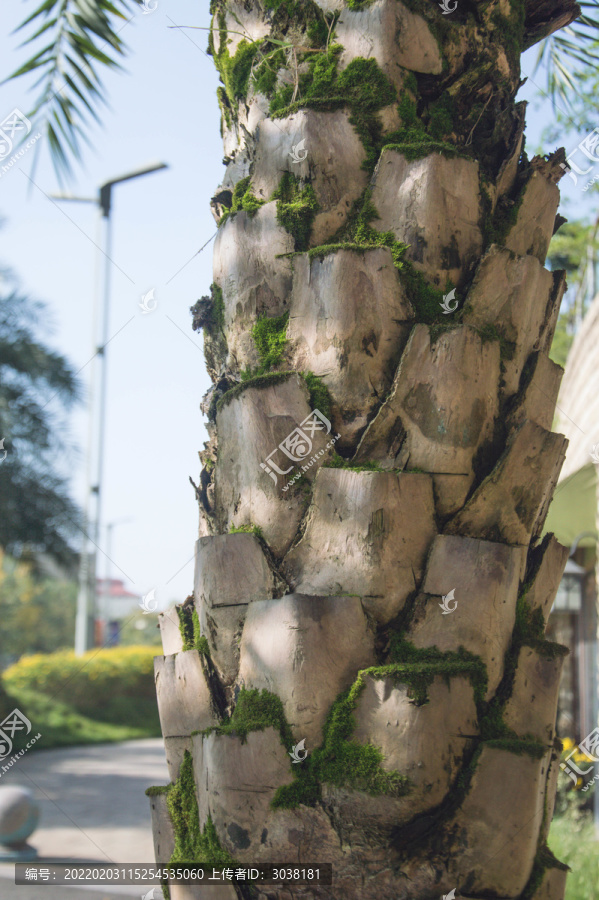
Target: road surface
x,y
92,808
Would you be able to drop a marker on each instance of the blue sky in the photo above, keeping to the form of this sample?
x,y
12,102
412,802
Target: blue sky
x,y
163,107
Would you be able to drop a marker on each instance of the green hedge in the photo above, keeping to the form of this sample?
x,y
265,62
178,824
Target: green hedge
x,y
114,685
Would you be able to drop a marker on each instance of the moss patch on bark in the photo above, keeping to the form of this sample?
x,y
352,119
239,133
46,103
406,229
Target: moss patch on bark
x,y
270,337
243,199
157,789
191,632
255,711
544,860
246,529
234,70
296,208
320,397
259,381
192,844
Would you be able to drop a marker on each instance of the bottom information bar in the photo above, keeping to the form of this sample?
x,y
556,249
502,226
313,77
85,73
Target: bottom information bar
x,y
38,873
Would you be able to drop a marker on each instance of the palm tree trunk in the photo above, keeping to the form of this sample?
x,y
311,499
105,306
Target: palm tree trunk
x,y
371,583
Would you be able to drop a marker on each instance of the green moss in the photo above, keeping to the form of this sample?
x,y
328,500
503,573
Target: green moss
x,y
362,87
186,626
270,337
200,642
224,106
327,249
491,333
341,760
441,115
358,232
363,84
518,746
439,329
254,711
202,646
544,860
234,70
426,299
337,462
419,150
320,397
296,208
302,15
246,529
191,633
265,75
294,24
260,381
511,28
315,85
549,649
243,199
432,661
408,112
158,789
192,845
420,136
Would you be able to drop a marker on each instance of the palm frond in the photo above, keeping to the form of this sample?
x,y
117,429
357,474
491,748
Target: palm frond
x,y
569,55
81,39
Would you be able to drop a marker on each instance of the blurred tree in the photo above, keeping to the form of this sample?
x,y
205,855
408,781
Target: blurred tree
x,y
38,517
38,615
570,58
574,248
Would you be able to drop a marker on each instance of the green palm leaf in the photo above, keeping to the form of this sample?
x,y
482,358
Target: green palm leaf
x,y
570,55
84,39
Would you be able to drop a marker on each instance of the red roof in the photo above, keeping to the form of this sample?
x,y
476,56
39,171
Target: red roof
x,y
116,588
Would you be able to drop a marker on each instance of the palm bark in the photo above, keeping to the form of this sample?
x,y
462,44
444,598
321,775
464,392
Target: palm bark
x,y
376,166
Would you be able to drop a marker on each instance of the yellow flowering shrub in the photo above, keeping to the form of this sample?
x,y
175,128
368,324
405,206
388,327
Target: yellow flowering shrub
x,y
113,685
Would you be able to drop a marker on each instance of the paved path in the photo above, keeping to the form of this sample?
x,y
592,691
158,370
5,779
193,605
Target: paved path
x,y
92,808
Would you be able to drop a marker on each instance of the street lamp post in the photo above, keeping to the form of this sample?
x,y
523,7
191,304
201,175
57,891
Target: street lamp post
x,y
84,623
